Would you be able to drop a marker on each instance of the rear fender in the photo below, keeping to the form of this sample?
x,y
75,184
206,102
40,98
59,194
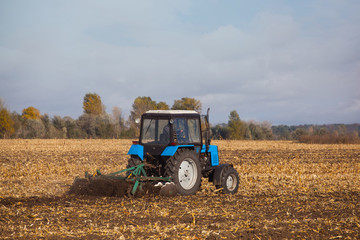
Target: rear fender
x,y
171,150
137,150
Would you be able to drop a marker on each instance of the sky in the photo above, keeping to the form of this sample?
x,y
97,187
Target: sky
x,y
285,62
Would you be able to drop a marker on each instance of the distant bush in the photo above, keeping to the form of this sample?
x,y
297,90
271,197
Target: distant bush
x,y
330,139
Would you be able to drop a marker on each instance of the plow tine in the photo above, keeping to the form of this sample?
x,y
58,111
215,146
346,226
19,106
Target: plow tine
x,y
133,191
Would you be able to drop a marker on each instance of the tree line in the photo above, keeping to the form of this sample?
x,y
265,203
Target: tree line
x,y
326,133
95,122
237,129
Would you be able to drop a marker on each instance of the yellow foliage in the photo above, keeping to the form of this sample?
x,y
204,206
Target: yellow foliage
x,y
92,104
187,103
6,123
31,113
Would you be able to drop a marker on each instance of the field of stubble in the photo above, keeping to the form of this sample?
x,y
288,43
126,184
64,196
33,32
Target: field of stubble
x,y
287,191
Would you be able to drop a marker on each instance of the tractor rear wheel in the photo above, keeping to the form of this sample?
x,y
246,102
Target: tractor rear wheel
x,y
133,161
184,168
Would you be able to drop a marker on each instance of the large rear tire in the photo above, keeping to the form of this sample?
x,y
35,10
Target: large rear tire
x,y
133,161
184,168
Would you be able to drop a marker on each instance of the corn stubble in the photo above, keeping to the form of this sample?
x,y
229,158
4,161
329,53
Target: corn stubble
x,y
287,190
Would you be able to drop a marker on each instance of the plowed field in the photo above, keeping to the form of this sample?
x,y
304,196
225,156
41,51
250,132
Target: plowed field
x,y
288,191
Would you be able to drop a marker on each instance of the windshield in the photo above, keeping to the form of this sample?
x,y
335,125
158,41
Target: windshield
x,y
155,131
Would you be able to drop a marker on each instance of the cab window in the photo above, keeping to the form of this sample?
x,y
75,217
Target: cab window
x,y
194,130
187,130
155,131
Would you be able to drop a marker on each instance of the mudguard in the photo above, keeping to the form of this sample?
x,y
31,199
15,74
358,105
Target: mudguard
x,y
171,150
138,150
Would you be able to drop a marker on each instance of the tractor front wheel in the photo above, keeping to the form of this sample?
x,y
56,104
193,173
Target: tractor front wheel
x,y
229,181
184,168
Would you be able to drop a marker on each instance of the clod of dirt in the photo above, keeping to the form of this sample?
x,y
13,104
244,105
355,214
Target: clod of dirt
x,y
100,187
147,189
168,190
119,188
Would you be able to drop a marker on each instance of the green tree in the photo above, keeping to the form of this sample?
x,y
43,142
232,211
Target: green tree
x,y
73,130
267,131
236,127
87,123
92,104
187,103
31,113
220,131
34,128
299,132
104,127
18,124
48,126
6,123
118,121
256,131
282,132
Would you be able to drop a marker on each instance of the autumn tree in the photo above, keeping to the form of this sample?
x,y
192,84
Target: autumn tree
x,y
2,103
31,113
6,123
236,127
187,103
162,106
92,104
140,106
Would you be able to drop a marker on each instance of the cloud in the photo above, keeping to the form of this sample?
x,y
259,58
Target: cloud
x,y
293,64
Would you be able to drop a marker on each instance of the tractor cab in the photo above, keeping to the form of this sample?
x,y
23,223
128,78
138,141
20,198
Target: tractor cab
x,y
162,128
163,132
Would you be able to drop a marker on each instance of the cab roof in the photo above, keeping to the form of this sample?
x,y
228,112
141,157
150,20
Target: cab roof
x,y
172,112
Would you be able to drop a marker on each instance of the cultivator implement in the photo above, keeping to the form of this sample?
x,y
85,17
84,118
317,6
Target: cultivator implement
x,y
131,182
135,175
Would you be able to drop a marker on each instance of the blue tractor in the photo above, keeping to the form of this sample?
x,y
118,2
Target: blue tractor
x,y
175,144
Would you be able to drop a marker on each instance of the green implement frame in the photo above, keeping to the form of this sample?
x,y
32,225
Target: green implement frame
x,y
136,174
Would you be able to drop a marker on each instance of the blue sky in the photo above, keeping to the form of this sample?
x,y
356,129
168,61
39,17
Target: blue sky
x,y
286,62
